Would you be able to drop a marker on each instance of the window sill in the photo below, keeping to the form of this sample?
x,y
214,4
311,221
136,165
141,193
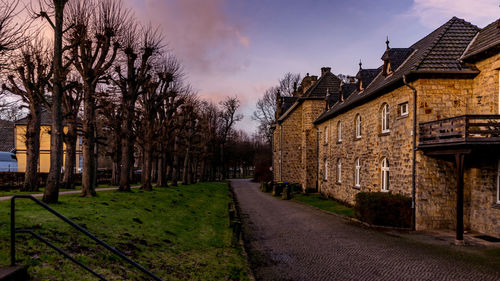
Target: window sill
x,y
384,134
357,138
386,190
340,141
496,205
357,187
338,182
402,117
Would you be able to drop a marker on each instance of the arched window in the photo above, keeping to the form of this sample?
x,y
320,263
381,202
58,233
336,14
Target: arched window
x,y
326,134
357,124
385,118
339,131
326,170
339,170
357,170
384,174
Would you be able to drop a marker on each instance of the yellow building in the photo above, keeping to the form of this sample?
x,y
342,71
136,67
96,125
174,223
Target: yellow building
x,y
44,159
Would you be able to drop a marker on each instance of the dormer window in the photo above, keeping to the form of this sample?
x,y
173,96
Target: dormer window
x,y
360,85
387,68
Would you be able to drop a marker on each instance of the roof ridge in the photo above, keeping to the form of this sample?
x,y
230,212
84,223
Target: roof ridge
x,y
431,46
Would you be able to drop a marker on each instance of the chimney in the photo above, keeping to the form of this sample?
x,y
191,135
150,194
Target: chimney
x,y
279,102
314,78
325,70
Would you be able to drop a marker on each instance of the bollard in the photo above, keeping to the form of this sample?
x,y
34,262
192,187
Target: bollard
x,y
236,233
232,215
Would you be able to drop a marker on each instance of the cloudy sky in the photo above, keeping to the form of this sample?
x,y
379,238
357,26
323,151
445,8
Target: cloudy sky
x,y
242,47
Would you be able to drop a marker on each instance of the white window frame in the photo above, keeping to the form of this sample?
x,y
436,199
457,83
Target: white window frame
x,y
339,170
357,173
339,131
385,118
384,175
326,135
403,106
358,125
326,170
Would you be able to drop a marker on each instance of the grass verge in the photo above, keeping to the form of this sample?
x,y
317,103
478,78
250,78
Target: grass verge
x,y
178,233
314,199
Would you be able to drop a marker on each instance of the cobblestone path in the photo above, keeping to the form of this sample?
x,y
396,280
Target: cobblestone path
x,y
286,240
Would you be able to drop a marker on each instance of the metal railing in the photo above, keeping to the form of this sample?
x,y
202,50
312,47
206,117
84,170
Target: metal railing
x,y
460,130
13,232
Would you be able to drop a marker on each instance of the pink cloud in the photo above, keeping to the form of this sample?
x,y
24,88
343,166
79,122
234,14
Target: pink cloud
x,y
199,32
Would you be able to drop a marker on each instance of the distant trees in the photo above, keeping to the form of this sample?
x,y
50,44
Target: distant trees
x,y
108,79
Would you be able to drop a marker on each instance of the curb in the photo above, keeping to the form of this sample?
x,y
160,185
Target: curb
x,y
242,245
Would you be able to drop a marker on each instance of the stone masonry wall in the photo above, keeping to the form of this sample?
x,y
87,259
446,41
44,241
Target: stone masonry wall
x,y
311,110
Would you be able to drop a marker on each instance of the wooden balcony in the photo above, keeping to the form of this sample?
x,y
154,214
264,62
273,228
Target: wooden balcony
x,y
460,131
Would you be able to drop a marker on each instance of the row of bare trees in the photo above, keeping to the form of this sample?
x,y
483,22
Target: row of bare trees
x,y
108,78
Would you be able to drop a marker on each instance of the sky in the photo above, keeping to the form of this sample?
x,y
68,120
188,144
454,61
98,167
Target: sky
x,y
242,47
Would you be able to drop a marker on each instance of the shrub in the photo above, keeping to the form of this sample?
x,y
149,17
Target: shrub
x,y
382,208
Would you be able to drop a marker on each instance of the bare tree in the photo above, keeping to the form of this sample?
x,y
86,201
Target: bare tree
x,y
53,13
265,113
29,81
95,29
11,33
139,47
72,100
228,118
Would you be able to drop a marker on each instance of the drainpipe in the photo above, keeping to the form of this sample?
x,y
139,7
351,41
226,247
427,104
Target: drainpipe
x,y
281,153
414,152
317,159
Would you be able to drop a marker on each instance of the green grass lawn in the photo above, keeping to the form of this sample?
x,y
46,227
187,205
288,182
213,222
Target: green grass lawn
x,y
179,233
314,199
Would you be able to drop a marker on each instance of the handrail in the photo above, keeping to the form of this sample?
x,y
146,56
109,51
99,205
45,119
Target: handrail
x,y
74,225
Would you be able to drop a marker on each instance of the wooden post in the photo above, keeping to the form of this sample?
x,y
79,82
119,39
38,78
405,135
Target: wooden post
x,y
459,161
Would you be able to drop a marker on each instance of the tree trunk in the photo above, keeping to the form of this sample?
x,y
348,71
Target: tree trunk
x,y
203,170
32,150
175,164
162,170
154,168
147,163
194,171
88,188
51,193
185,167
127,147
117,155
70,161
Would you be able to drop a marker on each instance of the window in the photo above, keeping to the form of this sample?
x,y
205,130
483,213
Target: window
x,y
326,135
339,131
385,118
326,170
358,126
80,163
384,176
80,141
339,170
403,109
357,169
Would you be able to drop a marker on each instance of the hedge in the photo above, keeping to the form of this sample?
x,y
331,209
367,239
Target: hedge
x,y
382,208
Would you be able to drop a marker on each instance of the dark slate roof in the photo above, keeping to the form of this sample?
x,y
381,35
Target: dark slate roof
x,y
6,135
488,38
46,119
397,56
287,103
367,75
328,81
436,53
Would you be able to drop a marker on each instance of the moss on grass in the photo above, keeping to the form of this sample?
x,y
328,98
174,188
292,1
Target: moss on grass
x,y
179,233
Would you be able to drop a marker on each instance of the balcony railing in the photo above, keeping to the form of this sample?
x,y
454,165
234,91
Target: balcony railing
x,y
467,129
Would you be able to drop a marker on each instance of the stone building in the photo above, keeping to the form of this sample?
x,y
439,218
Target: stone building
x,y
426,124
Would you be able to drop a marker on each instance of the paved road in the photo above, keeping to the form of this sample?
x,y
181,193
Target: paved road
x,y
290,241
